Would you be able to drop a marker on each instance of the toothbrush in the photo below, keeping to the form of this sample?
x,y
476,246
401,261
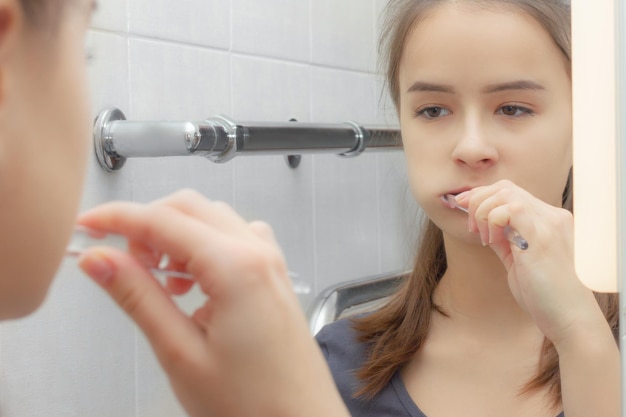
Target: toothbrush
x,y
84,238
511,234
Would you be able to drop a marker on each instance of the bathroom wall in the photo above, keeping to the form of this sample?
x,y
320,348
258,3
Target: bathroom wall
x,y
337,219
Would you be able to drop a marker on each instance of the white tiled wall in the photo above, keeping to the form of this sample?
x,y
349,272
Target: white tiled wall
x,y
263,60
279,28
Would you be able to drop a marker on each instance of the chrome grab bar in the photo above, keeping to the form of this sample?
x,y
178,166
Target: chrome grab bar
x,y
220,139
336,300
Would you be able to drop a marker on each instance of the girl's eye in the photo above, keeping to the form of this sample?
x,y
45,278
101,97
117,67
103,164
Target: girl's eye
x,y
433,112
514,111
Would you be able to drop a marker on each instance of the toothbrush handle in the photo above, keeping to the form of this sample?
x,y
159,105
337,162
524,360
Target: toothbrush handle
x,y
515,238
299,287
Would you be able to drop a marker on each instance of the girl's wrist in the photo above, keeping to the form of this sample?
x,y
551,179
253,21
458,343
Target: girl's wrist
x,y
588,336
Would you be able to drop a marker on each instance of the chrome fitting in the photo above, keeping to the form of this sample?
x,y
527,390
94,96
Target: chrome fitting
x,y
360,135
103,141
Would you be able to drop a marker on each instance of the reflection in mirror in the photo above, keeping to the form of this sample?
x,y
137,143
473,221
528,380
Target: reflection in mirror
x,y
484,98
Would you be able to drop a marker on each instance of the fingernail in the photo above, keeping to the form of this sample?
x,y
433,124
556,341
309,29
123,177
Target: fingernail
x,y
482,239
97,266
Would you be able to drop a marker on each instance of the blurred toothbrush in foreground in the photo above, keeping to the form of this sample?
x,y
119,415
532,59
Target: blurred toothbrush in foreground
x,y
84,238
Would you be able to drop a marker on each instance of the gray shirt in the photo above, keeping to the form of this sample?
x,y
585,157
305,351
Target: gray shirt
x,y
345,355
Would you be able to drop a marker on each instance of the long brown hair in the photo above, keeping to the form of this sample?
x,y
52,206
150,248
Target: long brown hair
x,y
395,332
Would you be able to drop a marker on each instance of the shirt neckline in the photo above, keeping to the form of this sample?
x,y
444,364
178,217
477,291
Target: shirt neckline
x,y
407,402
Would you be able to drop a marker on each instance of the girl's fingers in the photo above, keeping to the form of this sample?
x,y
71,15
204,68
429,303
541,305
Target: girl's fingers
x,y
169,232
263,230
498,219
202,316
215,213
210,255
179,286
162,228
136,291
496,206
482,201
149,257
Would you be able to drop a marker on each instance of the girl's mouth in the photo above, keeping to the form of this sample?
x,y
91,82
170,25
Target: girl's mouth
x,y
454,193
450,201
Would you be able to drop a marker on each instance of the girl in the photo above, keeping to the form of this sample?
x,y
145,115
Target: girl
x,y
483,327
223,350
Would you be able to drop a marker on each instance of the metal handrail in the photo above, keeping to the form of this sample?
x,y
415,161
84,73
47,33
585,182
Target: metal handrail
x,y
332,303
220,138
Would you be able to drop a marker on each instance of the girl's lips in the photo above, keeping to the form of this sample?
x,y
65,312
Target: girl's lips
x,y
449,198
457,191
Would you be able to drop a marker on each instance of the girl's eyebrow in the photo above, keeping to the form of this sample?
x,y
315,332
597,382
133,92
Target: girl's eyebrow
x,y
513,85
421,86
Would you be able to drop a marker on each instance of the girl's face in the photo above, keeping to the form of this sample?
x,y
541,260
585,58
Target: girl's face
x,y
44,137
485,95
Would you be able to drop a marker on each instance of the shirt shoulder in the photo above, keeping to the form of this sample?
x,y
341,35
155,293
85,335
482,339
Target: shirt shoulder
x,y
345,355
340,344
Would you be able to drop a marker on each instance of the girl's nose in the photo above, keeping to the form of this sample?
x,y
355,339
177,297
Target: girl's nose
x,y
474,150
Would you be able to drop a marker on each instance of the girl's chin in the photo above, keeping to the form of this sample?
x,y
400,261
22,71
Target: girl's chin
x,y
462,238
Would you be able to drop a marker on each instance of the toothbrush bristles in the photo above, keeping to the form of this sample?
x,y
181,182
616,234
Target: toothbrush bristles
x,y
451,199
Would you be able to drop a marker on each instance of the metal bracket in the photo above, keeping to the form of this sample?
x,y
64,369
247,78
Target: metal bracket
x,y
107,157
293,161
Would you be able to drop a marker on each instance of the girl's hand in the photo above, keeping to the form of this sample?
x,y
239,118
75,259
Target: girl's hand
x,y
247,351
541,278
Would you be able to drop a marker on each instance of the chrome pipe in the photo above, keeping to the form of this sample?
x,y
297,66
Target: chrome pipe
x,y
352,297
220,139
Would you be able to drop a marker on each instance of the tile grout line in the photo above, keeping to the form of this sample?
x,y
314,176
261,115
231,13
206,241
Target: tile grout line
x,y
232,98
313,159
130,108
